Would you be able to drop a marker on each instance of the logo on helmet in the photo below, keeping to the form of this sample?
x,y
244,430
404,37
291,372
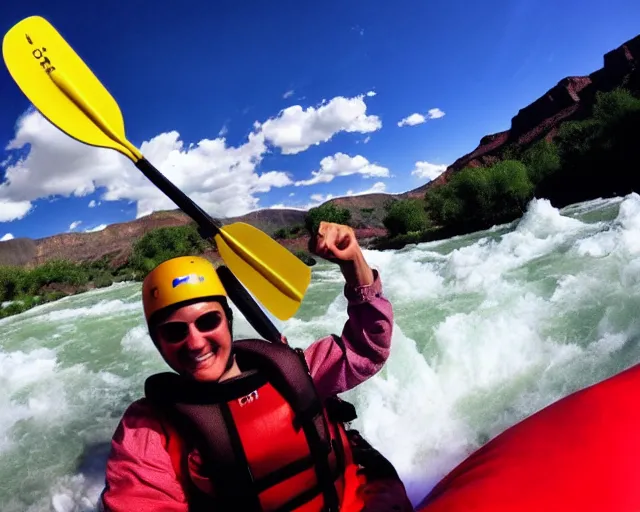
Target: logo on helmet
x,y
191,278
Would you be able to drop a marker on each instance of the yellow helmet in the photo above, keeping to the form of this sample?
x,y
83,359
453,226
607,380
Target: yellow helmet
x,y
178,280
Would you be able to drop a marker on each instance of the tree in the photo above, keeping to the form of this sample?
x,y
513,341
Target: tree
x,y
327,212
405,216
477,198
165,243
542,159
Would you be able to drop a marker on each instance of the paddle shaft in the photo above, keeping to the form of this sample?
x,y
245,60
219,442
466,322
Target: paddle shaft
x,y
247,306
238,295
208,225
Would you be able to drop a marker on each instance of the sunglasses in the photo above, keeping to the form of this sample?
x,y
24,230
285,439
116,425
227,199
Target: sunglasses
x,y
175,332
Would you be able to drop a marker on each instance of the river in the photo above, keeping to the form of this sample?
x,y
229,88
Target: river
x,y
489,328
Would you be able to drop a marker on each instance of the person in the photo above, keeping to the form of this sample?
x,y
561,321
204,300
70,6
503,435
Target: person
x,y
249,424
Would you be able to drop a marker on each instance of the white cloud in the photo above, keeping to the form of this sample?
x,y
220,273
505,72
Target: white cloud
x,y
318,199
221,179
6,237
97,228
343,165
426,170
296,129
416,118
371,94
11,209
282,206
366,139
413,120
74,225
435,113
376,188
272,179
291,194
288,94
223,131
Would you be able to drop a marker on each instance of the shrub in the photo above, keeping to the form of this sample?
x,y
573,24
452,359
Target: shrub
x,y
294,231
327,212
165,243
476,198
542,159
406,216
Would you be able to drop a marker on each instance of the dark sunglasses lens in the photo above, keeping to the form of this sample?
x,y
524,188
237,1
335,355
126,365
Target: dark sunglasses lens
x,y
208,322
173,332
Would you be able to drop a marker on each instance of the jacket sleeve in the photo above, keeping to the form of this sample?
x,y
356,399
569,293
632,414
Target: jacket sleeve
x,y
339,363
139,474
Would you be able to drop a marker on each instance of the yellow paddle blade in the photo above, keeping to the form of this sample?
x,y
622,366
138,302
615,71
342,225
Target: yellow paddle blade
x,y
276,277
34,52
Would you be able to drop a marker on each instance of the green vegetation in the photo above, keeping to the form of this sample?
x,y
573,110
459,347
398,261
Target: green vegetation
x,y
405,217
588,158
598,155
327,212
161,244
287,233
481,197
26,288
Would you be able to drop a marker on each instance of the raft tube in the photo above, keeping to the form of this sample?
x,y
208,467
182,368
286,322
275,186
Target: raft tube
x,y
581,453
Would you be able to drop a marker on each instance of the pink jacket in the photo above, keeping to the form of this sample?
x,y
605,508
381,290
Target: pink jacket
x,y
140,475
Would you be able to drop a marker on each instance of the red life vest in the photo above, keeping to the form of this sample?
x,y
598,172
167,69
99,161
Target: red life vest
x,y
262,441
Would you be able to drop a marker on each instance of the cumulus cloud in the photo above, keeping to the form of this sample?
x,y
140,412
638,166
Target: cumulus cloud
x,y
11,209
6,237
224,180
416,118
341,164
74,225
220,178
94,229
426,170
435,113
318,199
296,129
376,188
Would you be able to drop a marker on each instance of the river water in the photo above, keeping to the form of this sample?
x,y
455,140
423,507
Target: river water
x,y
489,328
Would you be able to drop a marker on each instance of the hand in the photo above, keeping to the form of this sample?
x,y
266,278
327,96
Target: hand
x,y
338,243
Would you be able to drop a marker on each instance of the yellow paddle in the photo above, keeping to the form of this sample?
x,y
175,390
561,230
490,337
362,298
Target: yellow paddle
x,y
61,86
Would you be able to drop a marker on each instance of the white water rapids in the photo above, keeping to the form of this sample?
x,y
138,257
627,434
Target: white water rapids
x,y
489,328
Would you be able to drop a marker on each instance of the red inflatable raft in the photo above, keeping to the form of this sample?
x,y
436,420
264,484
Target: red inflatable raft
x,y
580,454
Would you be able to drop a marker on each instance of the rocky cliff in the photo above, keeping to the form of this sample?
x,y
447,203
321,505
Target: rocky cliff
x,y
572,98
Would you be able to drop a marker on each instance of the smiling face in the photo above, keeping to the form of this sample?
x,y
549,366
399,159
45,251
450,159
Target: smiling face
x,y
196,342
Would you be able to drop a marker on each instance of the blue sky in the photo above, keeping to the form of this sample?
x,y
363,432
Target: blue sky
x,y
306,95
